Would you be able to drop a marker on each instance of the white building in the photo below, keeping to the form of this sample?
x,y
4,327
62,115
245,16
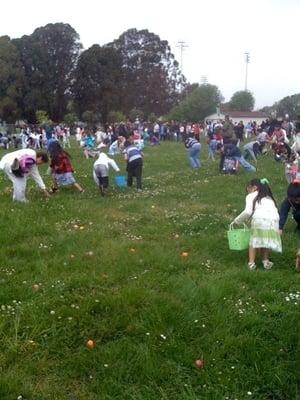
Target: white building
x,y
237,116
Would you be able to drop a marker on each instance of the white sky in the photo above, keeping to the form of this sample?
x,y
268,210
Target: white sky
x,y
218,33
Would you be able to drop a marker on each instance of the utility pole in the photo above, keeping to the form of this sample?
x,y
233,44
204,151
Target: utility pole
x,y
182,45
247,58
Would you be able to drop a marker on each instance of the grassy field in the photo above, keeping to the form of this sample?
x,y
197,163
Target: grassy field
x,y
111,270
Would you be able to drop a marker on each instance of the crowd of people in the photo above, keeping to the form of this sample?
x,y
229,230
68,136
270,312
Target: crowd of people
x,y
48,145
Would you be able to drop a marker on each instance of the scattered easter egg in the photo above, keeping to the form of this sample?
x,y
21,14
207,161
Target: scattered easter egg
x,y
132,250
199,363
35,286
90,344
184,254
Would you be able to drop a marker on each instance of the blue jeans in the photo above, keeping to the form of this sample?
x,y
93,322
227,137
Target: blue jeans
x,y
247,166
194,155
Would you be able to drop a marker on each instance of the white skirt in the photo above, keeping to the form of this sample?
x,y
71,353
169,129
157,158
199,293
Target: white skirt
x,y
265,234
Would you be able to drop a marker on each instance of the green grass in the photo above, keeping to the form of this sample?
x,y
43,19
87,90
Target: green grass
x,y
150,312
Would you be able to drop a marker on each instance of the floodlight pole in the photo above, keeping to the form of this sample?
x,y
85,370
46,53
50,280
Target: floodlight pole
x,y
203,80
182,45
247,58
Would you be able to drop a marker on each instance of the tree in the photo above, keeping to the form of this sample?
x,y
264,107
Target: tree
x,y
90,117
11,81
290,106
97,81
136,113
151,78
116,116
201,102
48,57
242,100
42,117
70,119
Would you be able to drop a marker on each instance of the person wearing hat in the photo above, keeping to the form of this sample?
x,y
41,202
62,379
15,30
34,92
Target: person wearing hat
x,y
101,168
292,201
20,164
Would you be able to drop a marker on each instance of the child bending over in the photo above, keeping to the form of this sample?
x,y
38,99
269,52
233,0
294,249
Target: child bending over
x,y
262,211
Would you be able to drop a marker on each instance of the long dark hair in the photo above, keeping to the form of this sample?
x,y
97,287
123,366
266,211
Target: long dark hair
x,y
263,190
55,150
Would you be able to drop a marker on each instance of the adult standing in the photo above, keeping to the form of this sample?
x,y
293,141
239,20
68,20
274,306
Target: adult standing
x,y
20,164
228,130
239,131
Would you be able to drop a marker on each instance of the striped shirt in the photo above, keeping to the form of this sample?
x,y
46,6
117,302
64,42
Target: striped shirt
x,y
133,153
190,142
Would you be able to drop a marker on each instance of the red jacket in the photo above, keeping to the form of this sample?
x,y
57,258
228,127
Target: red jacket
x,y
61,164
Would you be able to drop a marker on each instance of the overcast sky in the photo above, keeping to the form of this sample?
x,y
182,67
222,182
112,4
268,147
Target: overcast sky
x,y
217,32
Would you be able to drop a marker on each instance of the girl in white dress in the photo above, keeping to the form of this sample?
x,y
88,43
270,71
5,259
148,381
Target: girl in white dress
x,y
262,211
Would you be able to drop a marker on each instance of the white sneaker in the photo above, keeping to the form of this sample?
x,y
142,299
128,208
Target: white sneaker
x,y
251,265
267,264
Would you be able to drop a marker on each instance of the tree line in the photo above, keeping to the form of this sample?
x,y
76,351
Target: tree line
x,y
48,70
48,73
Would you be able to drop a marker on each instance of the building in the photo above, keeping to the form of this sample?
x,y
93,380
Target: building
x,y
237,116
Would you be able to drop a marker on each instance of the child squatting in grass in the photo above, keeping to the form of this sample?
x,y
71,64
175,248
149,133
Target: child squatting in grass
x,y
261,209
101,168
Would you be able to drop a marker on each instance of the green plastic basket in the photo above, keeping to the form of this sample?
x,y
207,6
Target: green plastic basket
x,y
238,239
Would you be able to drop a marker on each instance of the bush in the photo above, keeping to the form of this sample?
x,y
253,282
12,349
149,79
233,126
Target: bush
x,y
136,113
70,119
42,117
90,117
116,116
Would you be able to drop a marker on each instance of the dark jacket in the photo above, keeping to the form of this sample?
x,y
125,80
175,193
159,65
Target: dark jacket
x,y
285,207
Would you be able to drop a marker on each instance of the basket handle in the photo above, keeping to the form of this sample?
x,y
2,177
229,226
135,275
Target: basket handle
x,y
232,223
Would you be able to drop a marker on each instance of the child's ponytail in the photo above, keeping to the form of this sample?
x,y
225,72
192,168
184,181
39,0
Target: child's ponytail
x,y
263,190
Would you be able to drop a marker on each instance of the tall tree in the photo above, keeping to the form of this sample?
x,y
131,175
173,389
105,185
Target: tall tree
x,y
201,102
151,75
242,100
48,56
290,106
11,81
97,80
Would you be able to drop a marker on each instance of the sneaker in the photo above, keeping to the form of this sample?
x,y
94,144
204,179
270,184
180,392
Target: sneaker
x,y
267,264
251,265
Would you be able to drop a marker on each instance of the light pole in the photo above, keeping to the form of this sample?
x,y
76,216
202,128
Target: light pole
x,y
247,58
182,45
204,80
